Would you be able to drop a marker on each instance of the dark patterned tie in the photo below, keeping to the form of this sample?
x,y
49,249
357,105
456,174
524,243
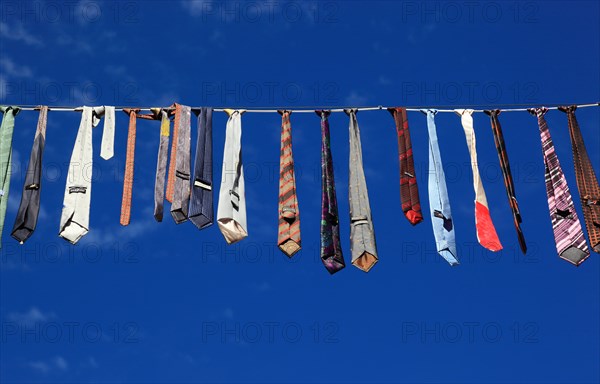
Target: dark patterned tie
x,y
506,173
587,183
29,209
331,248
568,235
201,211
181,191
288,239
409,192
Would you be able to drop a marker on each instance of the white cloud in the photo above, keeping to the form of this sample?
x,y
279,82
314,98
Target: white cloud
x,y
355,99
31,317
77,44
115,70
39,366
57,363
19,33
14,70
106,234
197,7
91,362
87,11
384,80
228,313
261,287
419,34
61,363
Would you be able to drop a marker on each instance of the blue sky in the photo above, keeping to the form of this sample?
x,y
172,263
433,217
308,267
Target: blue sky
x,y
168,303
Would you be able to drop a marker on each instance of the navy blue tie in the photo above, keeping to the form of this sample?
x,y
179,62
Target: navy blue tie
x,y
201,211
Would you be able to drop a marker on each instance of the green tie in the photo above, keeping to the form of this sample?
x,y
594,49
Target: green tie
x,y
6,134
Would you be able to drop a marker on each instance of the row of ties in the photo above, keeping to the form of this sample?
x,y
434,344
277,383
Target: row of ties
x,y
191,195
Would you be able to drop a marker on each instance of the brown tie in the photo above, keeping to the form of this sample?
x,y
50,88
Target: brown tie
x,y
587,183
128,180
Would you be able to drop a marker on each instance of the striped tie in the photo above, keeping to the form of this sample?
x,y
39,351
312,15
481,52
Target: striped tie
x,y
568,235
331,248
508,180
29,209
128,180
289,214
587,183
409,192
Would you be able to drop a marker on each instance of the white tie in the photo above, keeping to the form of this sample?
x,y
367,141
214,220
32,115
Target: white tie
x,y
74,221
108,133
486,232
231,212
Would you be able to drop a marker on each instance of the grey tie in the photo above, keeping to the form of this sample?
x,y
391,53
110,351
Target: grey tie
x,y
161,164
362,235
181,195
27,215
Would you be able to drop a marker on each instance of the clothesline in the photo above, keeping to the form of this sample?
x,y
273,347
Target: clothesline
x,y
312,109
190,190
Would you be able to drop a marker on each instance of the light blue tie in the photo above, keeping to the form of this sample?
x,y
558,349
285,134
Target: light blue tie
x,y
439,205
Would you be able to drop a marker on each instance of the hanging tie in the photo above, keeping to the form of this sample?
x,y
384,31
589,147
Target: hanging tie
x,y
163,149
75,218
486,232
181,192
506,173
27,215
231,211
6,135
201,211
587,183
439,204
288,240
331,248
108,133
362,234
129,164
173,157
409,192
568,235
